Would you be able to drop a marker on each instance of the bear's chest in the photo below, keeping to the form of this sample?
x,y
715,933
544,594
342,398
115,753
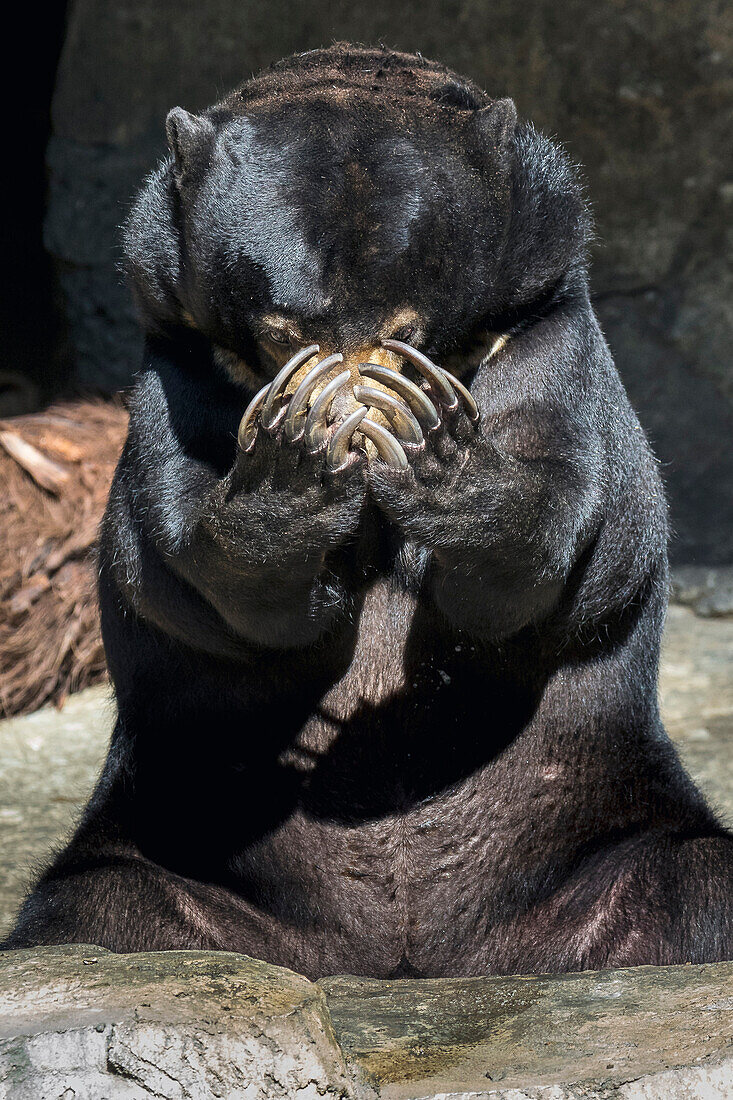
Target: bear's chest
x,y
405,817
414,881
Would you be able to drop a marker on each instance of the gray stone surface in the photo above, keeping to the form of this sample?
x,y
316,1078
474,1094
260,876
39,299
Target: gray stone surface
x,y
645,1032
79,1023
49,762
640,92
696,686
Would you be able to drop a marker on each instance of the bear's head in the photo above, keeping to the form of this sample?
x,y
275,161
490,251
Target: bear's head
x,y
349,195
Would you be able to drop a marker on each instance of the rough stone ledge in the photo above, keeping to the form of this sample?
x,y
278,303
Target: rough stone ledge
x,y
708,591
639,1034
80,1023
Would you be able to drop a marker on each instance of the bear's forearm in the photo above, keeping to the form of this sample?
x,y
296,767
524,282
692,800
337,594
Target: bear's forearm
x,y
201,600
488,601
194,553
521,536
263,602
535,484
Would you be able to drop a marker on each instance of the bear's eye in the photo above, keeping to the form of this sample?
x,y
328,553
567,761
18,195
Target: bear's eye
x,y
406,333
279,336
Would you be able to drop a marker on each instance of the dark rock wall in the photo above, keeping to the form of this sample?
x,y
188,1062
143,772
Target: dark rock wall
x,y
641,92
35,359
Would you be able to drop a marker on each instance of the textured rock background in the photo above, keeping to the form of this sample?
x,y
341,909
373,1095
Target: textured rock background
x,y
83,1024
79,1023
641,93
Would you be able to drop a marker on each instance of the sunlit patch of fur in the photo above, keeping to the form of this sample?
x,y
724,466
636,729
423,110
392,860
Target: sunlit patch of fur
x,y
498,345
402,319
239,371
486,347
286,325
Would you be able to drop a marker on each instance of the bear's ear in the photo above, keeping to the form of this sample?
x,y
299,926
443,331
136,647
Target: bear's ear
x,y
497,122
189,136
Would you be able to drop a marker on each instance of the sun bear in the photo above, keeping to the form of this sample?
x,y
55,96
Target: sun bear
x,y
383,571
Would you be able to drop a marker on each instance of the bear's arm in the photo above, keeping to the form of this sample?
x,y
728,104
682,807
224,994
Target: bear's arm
x,y
513,512
196,552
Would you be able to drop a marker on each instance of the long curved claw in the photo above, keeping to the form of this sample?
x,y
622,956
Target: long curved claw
x,y
295,417
435,375
338,448
404,423
465,395
417,399
248,424
316,422
388,449
273,408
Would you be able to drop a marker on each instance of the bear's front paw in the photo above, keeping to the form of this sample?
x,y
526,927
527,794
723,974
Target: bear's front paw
x,y
430,496
299,421
442,416
297,485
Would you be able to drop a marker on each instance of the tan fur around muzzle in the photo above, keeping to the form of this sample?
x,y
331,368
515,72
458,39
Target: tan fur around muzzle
x,y
344,401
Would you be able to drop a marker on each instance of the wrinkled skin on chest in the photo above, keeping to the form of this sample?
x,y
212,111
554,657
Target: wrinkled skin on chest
x,y
385,666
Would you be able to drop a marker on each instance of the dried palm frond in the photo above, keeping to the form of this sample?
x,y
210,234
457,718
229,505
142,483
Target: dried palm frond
x,y
55,471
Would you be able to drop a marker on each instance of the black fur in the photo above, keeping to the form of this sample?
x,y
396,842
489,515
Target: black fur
x,y
383,722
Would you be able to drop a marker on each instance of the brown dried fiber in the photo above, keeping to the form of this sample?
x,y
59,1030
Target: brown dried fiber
x,y
55,471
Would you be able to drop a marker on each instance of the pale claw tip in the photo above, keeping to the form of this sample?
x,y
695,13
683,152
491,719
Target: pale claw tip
x,y
403,421
465,394
295,416
417,399
316,422
247,432
338,448
434,374
273,410
388,449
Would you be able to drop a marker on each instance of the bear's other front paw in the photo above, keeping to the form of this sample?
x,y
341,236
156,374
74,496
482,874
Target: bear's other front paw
x,y
431,493
299,423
